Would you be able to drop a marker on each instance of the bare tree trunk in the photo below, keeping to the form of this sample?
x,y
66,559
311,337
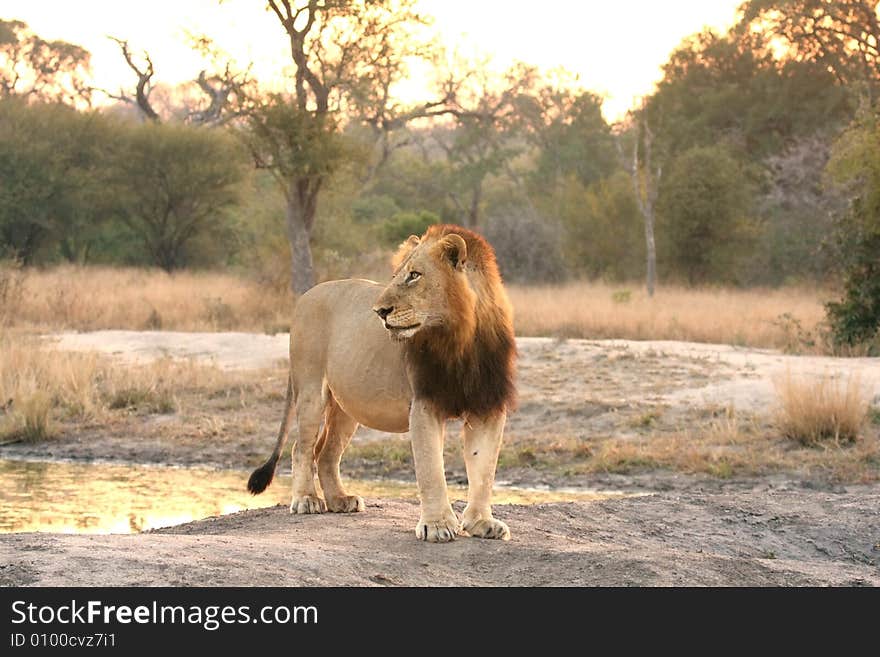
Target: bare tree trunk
x,y
302,271
646,196
473,215
652,184
650,253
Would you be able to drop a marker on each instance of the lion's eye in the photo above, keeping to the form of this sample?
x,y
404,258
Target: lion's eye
x,y
413,276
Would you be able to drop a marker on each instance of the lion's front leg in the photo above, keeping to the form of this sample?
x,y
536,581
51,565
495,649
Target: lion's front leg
x,y
438,522
482,442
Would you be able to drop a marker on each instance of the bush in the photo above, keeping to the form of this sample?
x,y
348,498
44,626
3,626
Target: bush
x,y
821,411
528,249
395,230
855,164
373,208
855,320
703,226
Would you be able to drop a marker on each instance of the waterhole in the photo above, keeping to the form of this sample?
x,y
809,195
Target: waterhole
x,y
51,496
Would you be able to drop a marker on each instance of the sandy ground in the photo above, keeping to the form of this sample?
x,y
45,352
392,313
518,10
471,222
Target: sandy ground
x,y
690,530
767,538
741,377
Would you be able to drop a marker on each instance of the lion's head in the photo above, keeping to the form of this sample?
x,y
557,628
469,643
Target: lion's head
x,y
429,288
446,300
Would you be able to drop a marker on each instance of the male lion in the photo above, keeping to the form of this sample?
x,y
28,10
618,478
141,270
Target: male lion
x,y
442,348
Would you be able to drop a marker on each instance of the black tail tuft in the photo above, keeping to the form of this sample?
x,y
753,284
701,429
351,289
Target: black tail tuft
x,y
262,476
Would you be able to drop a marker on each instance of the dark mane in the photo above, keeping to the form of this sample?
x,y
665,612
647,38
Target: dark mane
x,y
476,377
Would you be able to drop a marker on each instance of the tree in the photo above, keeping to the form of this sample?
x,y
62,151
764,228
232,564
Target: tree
x,y
36,69
604,229
704,207
214,98
725,88
53,166
177,182
570,134
301,149
797,210
480,143
842,36
776,112
855,165
344,54
646,186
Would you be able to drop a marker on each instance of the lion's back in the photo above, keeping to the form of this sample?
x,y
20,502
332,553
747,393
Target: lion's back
x,y
336,336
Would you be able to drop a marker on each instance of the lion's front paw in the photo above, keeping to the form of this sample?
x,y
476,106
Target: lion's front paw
x,y
439,531
307,504
487,528
345,504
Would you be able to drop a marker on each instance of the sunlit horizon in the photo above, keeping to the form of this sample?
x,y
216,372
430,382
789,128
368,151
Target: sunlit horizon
x,y
613,49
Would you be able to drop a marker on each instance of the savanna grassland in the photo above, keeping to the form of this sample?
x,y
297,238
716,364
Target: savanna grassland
x,y
93,298
733,417
585,412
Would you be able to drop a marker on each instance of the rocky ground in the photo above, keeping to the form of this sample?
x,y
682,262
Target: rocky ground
x,y
769,537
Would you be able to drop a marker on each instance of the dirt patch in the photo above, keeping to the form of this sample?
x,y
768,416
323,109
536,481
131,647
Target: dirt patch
x,y
588,410
777,538
733,503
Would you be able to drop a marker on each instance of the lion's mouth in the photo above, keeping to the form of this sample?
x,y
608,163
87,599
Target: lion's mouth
x,y
402,332
391,327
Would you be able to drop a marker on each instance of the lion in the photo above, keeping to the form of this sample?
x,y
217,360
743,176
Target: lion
x,y
435,344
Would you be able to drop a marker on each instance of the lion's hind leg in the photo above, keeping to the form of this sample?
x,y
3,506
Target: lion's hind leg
x,y
339,427
310,406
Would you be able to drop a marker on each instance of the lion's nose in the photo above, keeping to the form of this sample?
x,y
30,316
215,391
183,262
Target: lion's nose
x,y
383,312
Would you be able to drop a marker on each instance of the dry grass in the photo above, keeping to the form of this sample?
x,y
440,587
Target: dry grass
x,y
785,318
92,298
823,410
40,386
728,445
725,447
11,290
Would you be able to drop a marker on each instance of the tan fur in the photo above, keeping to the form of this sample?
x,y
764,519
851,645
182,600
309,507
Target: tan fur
x,y
445,349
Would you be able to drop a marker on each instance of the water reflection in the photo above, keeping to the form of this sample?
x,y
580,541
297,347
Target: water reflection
x,y
122,499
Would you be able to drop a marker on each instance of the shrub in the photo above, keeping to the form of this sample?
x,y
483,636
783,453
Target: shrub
x,y
813,412
528,248
395,230
855,165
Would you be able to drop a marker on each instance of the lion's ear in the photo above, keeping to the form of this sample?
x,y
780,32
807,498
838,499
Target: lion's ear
x,y
404,250
454,248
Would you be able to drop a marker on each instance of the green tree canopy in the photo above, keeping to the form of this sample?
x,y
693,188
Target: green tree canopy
x,y
570,133
718,88
177,182
855,164
703,211
53,178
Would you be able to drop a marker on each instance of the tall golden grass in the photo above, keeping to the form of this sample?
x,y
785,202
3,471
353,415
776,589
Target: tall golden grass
x,y
40,386
94,298
785,318
822,410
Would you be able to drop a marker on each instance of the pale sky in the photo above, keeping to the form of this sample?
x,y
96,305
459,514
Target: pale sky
x,y
615,47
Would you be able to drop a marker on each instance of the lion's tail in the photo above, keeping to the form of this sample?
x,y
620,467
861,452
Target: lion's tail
x,y
262,476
